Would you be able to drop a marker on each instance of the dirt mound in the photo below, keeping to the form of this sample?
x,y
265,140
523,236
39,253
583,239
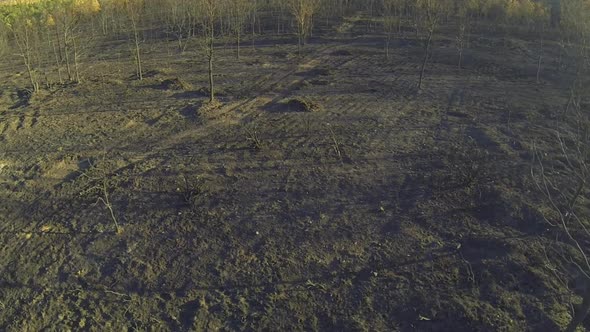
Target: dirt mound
x,y
175,84
319,82
209,109
320,72
303,104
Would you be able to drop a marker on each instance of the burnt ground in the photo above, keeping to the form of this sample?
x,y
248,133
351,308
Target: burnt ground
x,y
385,209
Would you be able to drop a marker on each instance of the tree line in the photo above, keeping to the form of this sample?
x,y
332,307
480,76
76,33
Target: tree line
x,y
51,36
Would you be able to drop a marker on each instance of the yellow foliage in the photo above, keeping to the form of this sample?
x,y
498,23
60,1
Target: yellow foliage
x,y
46,228
86,6
50,21
18,2
526,10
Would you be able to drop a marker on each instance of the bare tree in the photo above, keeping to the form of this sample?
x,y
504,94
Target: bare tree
x,y
60,21
101,186
303,11
541,27
65,17
428,17
239,11
575,30
279,8
112,17
563,176
19,18
392,12
134,10
536,18
3,40
464,24
369,8
254,19
210,12
53,44
178,22
563,180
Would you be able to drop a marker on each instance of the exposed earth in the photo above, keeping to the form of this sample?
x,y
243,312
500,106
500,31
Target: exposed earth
x,y
379,208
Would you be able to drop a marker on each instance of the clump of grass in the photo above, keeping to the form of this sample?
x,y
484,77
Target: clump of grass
x,y
253,137
191,189
303,104
209,108
335,142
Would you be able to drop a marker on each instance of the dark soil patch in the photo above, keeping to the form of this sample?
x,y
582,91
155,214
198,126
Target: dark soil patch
x,y
22,98
341,53
302,104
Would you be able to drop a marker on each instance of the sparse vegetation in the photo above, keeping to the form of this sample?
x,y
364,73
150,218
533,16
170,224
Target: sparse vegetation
x,y
101,185
253,137
335,142
563,179
564,183
190,189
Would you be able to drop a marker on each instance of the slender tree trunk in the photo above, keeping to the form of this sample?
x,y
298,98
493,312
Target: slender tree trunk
x,y
259,26
221,28
31,73
238,37
25,49
559,58
76,69
139,68
210,58
57,64
426,53
253,27
138,57
211,91
58,40
299,44
103,25
67,53
539,69
387,42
